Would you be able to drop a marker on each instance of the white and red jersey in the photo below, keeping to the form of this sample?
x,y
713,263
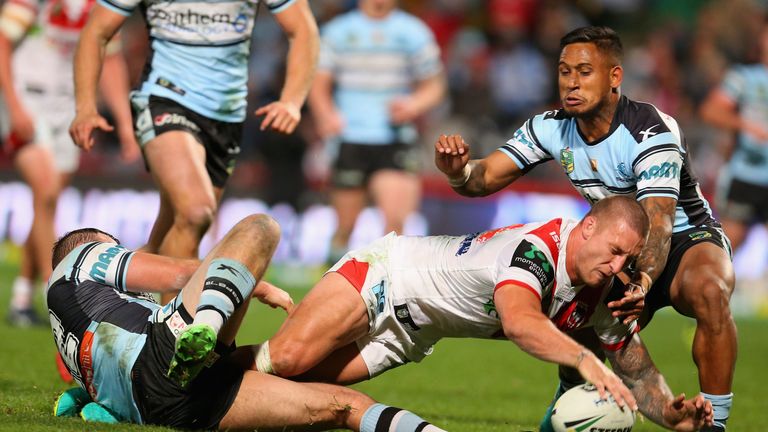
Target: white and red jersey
x,y
58,21
443,286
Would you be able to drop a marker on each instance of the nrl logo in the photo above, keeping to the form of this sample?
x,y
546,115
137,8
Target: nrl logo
x,y
566,160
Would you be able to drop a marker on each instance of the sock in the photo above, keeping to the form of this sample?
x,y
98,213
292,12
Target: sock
x,y
22,293
546,423
263,360
227,284
380,417
721,405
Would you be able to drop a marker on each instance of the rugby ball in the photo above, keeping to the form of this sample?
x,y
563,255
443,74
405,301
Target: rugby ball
x,y
580,409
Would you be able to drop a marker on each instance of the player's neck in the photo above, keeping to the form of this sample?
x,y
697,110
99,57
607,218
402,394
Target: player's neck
x,y
598,125
571,246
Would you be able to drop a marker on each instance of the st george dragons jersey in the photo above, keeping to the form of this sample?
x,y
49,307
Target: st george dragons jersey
x,y
643,155
443,286
58,21
98,326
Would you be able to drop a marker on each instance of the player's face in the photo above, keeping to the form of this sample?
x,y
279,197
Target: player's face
x,y
378,8
586,77
608,251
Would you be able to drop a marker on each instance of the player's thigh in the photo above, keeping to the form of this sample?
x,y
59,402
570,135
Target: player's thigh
x,y
396,192
37,167
332,315
703,277
348,202
177,163
269,402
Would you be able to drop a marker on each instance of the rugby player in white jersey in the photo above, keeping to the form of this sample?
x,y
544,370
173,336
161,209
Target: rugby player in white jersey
x,y
387,304
609,144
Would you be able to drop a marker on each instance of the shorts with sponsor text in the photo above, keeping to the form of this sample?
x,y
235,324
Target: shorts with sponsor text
x,y
154,115
391,340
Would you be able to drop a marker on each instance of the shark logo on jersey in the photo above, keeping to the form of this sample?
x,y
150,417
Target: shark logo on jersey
x,y
566,160
623,174
647,133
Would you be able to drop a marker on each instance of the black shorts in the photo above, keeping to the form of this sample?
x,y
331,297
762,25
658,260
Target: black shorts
x,y
161,401
221,140
658,296
743,202
355,163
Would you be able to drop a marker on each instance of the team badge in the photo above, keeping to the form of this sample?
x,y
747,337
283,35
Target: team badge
x,y
566,160
699,235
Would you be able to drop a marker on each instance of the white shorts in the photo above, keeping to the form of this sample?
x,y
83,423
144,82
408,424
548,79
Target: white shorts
x,y
43,79
390,342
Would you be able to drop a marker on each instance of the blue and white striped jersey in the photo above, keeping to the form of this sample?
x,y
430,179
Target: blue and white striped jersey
x,y
98,326
644,155
747,86
200,51
373,61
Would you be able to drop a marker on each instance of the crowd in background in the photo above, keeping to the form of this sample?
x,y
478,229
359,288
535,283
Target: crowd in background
x,y
500,58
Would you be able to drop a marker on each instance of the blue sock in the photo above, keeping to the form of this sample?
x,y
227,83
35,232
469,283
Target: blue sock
x,y
721,405
380,417
546,422
227,284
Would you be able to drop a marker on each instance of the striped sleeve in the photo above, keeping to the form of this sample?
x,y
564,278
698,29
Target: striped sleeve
x,y
105,263
525,147
613,334
658,169
277,6
425,54
121,7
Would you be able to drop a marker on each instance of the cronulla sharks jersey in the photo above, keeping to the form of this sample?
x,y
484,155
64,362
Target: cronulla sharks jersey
x,y
200,51
98,327
643,155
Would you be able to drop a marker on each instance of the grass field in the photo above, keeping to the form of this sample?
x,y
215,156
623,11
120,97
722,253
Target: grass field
x,y
466,385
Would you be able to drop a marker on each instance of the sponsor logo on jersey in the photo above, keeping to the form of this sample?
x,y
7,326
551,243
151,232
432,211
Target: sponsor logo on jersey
x,y
68,345
490,308
378,291
98,270
671,170
623,174
466,244
699,235
566,160
403,315
212,22
522,138
175,119
529,257
647,133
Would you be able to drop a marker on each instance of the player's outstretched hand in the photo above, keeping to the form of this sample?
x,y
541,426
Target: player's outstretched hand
x,y
273,296
82,127
605,380
280,116
629,307
683,414
451,155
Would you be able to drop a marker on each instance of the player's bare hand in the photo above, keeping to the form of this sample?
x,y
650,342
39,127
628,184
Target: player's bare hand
x,y
629,307
403,110
273,296
605,380
683,414
329,124
22,125
280,116
82,127
451,155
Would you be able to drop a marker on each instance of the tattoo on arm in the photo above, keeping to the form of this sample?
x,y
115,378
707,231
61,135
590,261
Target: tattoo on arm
x,y
661,213
475,186
634,366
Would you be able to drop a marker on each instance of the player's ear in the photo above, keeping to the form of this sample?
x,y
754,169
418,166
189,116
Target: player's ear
x,y
588,226
616,76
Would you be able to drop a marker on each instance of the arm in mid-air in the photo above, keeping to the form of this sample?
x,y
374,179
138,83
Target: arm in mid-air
x,y
328,120
654,398
300,27
115,86
89,59
720,110
477,177
426,95
15,21
524,324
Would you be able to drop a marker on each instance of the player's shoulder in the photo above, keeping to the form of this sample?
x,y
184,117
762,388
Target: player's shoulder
x,y
343,22
642,120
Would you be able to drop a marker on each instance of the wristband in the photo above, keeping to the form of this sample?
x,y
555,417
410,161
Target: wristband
x,y
459,182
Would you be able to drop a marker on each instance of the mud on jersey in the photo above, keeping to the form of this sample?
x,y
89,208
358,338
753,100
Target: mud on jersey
x,y
644,154
98,326
445,285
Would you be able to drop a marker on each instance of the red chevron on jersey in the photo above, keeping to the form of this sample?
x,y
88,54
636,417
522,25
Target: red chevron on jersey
x,y
484,237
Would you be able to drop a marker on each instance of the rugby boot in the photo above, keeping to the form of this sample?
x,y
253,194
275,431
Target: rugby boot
x,y
24,318
69,403
93,412
193,348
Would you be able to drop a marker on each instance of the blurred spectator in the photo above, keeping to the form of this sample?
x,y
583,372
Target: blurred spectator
x,y
36,83
379,71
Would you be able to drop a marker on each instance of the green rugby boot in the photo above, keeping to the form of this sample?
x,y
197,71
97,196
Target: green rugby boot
x,y
69,403
193,348
94,412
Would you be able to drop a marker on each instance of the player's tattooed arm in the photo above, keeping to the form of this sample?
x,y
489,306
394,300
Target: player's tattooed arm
x,y
653,258
634,365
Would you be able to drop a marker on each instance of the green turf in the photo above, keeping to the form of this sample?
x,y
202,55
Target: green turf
x,y
466,385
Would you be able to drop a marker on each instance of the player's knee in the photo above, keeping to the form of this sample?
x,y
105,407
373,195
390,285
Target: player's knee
x,y
261,228
712,302
197,217
288,357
